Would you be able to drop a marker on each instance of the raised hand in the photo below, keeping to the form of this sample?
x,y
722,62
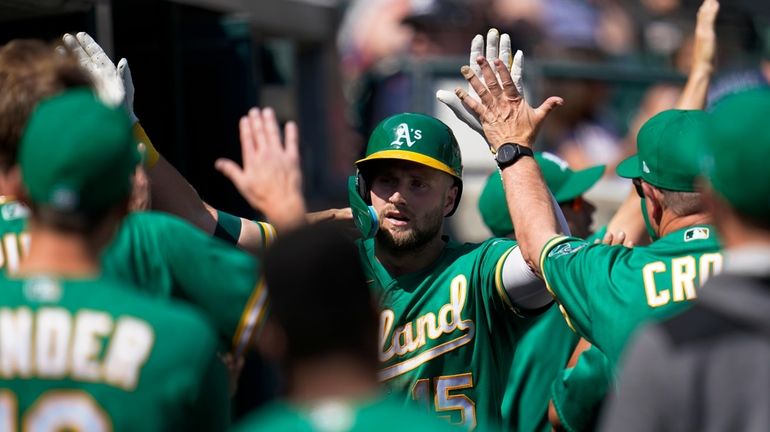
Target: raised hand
x,y
113,84
497,46
705,36
503,113
270,179
704,50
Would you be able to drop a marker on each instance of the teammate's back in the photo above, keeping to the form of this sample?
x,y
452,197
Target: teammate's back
x,y
94,355
79,350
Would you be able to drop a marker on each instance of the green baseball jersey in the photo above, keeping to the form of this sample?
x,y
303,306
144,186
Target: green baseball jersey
x,y
606,291
541,355
171,258
167,257
578,392
95,355
525,404
448,332
340,416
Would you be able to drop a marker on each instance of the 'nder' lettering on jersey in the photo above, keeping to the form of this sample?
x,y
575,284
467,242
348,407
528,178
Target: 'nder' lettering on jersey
x,y
52,343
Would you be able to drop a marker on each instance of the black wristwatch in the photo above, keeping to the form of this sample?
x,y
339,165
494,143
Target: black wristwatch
x,y
508,153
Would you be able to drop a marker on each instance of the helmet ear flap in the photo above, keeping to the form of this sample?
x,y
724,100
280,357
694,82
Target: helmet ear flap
x,y
364,215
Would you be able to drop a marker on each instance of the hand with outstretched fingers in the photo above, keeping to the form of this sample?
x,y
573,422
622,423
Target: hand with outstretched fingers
x,y
504,114
497,46
270,179
113,84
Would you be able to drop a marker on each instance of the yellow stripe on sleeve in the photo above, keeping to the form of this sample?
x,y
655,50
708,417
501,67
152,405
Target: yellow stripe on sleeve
x,y
251,318
151,154
499,279
271,233
543,254
268,233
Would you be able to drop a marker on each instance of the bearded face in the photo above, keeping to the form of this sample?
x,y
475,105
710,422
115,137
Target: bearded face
x,y
399,233
411,201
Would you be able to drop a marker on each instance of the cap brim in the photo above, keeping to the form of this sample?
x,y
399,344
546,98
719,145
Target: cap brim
x,y
629,168
411,157
579,183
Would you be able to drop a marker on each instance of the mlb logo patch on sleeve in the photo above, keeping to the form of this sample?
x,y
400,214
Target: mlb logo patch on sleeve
x,y
696,234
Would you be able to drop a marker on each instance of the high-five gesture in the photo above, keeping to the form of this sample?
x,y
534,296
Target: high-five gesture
x,y
113,84
271,179
497,46
504,114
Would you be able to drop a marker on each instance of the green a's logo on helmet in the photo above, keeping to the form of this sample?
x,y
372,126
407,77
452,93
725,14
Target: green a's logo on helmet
x,y
405,136
395,138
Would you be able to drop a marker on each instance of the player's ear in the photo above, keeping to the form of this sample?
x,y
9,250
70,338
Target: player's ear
x,y
450,198
272,342
655,199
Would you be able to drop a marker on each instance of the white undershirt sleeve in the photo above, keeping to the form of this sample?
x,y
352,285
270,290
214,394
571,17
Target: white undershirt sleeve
x,y
525,289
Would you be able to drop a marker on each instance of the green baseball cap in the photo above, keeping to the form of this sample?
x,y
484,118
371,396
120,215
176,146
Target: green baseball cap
x,y
669,146
564,183
738,152
77,155
416,138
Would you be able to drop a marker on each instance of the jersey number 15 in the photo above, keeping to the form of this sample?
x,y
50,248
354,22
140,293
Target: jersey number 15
x,y
447,397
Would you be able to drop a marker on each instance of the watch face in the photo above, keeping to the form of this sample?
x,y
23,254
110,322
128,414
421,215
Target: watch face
x,y
506,153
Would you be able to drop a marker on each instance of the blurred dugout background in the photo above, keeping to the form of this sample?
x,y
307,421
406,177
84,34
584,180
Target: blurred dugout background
x,y
340,66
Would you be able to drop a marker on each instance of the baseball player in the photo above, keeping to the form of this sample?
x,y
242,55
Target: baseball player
x,y
705,369
546,347
331,360
159,253
643,282
80,350
450,314
578,393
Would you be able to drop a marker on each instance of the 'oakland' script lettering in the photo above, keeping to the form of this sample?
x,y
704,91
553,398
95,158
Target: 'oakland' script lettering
x,y
412,336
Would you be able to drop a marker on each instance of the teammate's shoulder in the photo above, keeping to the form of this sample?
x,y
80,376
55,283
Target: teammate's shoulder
x,y
128,298
494,242
701,237
155,219
387,411
701,325
275,416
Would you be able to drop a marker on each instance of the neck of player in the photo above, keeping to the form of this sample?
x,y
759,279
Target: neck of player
x,y
62,254
398,263
338,376
670,222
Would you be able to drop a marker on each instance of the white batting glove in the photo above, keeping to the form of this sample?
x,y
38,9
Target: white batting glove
x,y
113,85
497,46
